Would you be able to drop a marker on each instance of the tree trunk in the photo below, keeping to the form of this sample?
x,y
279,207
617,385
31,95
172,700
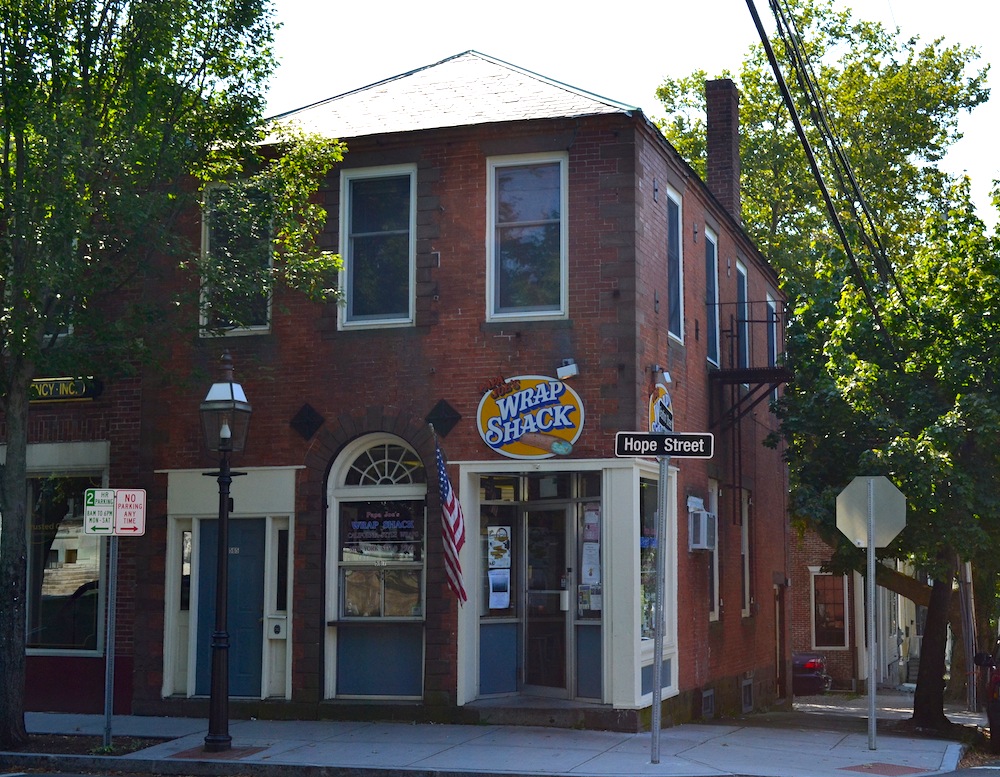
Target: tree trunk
x,y
13,564
928,700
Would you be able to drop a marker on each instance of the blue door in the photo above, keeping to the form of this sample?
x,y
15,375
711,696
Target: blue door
x,y
246,606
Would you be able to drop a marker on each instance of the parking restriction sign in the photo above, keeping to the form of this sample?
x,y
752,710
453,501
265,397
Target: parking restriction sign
x,y
99,511
115,512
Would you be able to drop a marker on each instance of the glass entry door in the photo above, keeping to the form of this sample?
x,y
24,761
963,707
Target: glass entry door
x,y
547,586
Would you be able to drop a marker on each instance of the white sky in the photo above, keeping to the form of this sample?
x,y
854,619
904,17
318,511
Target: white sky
x,y
327,48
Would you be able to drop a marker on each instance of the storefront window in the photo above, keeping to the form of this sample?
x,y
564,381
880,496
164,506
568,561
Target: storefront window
x,y
501,530
381,558
64,566
648,494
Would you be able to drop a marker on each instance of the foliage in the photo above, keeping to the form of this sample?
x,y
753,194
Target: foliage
x,y
894,354
113,114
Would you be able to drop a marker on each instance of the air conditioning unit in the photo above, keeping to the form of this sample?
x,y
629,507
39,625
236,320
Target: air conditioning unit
x,y
703,528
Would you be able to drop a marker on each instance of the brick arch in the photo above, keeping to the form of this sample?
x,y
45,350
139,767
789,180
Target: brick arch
x,y
441,619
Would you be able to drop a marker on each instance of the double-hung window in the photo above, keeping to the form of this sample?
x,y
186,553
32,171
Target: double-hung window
x,y
829,610
675,268
772,337
742,318
527,237
712,296
378,245
237,249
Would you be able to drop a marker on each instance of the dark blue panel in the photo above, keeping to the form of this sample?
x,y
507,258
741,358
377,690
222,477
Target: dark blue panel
x,y
647,676
497,658
380,659
245,606
588,662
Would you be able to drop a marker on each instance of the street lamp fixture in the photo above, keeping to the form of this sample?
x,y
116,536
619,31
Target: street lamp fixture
x,y
225,417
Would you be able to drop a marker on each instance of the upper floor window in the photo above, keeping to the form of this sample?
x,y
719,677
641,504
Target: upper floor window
x,y
675,268
712,296
527,238
378,244
237,249
772,337
742,318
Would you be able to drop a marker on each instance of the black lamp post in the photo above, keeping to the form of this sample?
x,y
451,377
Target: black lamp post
x,y
225,416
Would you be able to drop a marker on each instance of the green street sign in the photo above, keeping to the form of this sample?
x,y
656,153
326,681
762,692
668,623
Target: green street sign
x,y
99,511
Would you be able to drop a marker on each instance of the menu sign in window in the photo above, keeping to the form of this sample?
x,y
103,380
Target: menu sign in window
x,y
381,532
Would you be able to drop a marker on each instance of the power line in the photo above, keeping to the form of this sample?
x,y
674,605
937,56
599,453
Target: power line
x,y
818,175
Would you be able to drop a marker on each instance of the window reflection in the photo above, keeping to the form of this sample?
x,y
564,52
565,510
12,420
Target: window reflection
x,y
64,566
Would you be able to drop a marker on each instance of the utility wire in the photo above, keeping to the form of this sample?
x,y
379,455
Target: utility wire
x,y
818,175
868,228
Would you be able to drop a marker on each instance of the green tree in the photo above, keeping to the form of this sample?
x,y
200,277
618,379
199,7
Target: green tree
x,y
892,373
113,114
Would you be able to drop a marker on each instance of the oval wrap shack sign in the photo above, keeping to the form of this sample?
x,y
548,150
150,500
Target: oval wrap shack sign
x,y
530,417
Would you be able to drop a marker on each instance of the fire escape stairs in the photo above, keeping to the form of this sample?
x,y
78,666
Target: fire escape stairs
x,y
749,387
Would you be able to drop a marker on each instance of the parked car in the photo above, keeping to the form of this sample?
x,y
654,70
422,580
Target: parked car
x,y
809,675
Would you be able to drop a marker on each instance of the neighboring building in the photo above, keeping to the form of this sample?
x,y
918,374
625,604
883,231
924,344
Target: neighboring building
x,y
828,612
522,259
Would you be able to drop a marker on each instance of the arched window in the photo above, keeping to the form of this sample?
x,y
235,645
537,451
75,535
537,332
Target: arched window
x,y
376,551
377,517
385,464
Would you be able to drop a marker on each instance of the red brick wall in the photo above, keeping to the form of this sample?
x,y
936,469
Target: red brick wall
x,y
389,379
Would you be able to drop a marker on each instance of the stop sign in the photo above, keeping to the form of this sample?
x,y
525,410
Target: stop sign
x,y
886,504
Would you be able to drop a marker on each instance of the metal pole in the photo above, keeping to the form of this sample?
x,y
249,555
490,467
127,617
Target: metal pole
x,y
109,642
218,738
871,614
661,574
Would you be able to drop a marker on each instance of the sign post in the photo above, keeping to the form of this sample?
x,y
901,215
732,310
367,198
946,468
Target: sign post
x,y
113,512
661,441
857,506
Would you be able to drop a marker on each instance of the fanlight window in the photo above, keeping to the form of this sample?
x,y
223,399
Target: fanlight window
x,y
386,464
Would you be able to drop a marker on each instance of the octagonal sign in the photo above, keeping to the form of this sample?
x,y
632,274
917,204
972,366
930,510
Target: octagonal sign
x,y
874,496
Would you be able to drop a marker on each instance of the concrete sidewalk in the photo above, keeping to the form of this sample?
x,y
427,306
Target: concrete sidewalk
x,y
825,737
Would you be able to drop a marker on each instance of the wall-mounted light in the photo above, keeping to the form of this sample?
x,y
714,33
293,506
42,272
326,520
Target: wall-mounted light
x,y
664,375
695,226
569,369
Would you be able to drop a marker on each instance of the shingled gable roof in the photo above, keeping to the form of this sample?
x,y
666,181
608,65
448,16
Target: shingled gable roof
x,y
466,89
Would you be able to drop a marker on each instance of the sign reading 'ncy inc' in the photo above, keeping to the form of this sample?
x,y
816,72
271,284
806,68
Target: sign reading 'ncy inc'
x,y
685,445
120,511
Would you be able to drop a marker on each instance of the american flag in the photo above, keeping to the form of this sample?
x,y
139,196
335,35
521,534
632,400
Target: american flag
x,y
453,529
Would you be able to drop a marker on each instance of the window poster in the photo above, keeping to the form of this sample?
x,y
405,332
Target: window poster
x,y
592,522
498,547
590,567
376,532
499,589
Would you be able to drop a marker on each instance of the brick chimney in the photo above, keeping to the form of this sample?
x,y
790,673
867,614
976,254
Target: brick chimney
x,y
722,100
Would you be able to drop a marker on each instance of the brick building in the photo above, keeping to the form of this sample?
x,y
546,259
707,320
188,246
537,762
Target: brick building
x,y
828,617
523,263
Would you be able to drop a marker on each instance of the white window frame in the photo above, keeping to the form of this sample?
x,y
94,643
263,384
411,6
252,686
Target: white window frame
x,y
712,304
76,459
674,198
742,317
745,547
338,492
492,164
715,601
771,306
346,178
815,572
203,322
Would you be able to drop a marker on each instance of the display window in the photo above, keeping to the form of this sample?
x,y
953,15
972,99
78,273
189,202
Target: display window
x,y
65,591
